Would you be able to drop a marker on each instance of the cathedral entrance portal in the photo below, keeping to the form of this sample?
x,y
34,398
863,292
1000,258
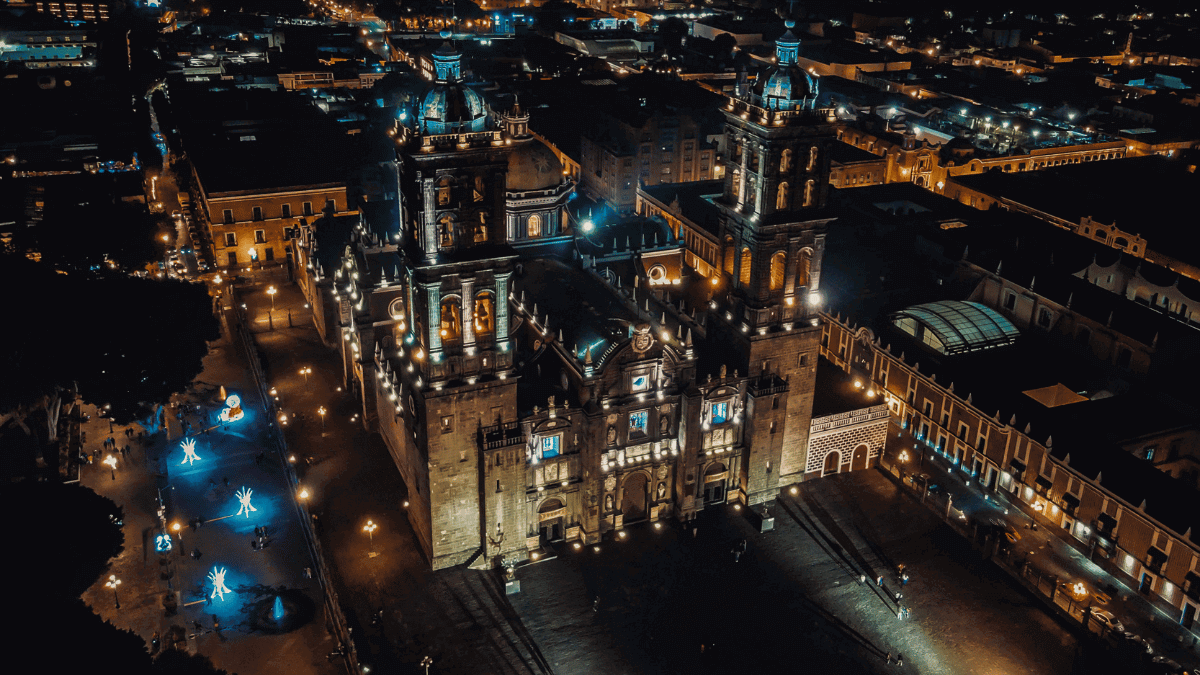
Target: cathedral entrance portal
x,y
634,496
715,477
550,520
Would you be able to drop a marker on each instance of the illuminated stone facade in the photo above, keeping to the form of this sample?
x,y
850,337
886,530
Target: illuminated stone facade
x,y
540,394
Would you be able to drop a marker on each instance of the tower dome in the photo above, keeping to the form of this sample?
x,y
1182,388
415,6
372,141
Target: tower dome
x,y
531,165
449,106
785,86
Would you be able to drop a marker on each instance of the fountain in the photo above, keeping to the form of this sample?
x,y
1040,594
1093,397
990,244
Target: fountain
x,y
282,611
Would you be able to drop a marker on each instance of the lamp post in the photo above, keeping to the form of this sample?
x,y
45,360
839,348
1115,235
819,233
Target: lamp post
x,y
178,530
112,583
321,412
271,291
370,528
306,371
111,461
425,663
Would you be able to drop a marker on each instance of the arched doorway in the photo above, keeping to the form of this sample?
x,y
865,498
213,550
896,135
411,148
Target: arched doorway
x,y
859,459
715,478
833,462
550,520
634,496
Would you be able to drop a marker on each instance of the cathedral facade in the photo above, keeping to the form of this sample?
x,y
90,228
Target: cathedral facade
x,y
540,380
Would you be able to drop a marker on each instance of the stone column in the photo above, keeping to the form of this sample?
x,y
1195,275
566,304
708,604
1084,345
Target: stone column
x,y
761,183
468,314
429,225
501,310
741,201
433,295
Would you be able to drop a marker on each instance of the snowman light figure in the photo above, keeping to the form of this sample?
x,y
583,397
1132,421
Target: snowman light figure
x,y
189,451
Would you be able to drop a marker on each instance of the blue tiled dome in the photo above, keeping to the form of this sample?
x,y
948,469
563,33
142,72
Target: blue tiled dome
x,y
450,108
786,86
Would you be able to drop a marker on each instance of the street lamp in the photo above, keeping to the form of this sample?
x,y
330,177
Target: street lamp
x,y
306,371
112,583
321,412
426,662
178,530
303,494
111,461
271,292
370,528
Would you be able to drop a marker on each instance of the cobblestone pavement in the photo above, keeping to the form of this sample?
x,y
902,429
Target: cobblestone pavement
x,y
199,490
795,599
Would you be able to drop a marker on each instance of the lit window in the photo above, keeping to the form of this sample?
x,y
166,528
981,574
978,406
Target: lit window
x,y
641,382
637,422
550,447
720,412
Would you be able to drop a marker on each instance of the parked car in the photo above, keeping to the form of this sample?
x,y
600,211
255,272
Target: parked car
x,y
1161,665
1138,640
1108,620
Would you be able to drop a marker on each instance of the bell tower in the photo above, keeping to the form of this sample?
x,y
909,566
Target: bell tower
x,y
774,214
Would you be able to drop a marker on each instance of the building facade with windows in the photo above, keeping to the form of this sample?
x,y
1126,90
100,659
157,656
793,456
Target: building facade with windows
x,y
1115,507
248,227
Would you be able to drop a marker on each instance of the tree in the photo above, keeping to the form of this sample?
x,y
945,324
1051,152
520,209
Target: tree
x,y
65,536
125,342
673,30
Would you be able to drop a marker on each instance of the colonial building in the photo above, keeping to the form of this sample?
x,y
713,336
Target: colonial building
x,y
538,380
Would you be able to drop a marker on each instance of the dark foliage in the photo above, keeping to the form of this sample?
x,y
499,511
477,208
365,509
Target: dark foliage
x,y
128,342
65,535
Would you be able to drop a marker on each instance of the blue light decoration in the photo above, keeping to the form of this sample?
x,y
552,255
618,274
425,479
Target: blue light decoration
x,y
217,577
243,497
162,543
720,412
189,452
233,409
637,422
550,447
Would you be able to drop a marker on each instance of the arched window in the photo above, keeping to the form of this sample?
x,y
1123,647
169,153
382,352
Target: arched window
x,y
785,160
803,269
447,234
481,229
781,201
736,182
812,158
451,328
744,273
729,256
443,192
485,312
809,189
778,270
534,227
478,188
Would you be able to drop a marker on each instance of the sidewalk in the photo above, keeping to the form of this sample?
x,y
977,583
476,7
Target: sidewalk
x,y
1048,553
244,642
399,609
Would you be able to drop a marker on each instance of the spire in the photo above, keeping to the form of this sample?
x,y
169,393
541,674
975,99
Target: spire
x,y
587,358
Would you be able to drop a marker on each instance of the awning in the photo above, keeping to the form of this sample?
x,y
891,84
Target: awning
x,y
1106,523
1191,585
1156,557
1070,503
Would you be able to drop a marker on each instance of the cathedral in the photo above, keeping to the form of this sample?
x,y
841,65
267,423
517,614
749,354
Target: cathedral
x,y
539,378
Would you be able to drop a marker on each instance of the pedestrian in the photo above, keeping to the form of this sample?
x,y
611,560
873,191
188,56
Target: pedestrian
x,y
898,596
226,479
904,580
195,525
879,580
307,572
888,658
196,554
862,578
208,600
900,569
254,544
899,659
